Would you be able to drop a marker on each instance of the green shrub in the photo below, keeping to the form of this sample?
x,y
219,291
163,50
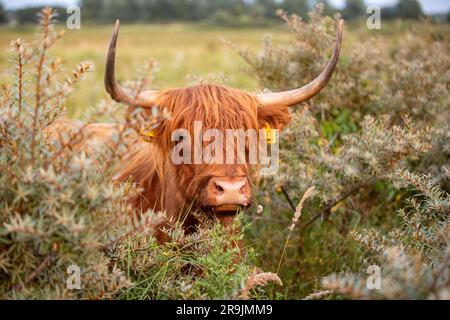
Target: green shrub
x,y
386,108
414,258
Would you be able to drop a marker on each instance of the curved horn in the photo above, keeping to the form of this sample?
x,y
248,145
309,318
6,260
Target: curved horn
x,y
295,96
118,93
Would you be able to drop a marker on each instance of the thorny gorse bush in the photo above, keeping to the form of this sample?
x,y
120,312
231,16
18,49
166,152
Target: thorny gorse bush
x,y
386,108
414,258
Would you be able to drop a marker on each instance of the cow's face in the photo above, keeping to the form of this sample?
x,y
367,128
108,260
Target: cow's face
x,y
206,143
220,186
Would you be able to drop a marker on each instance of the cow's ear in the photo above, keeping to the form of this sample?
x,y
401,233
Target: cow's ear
x,y
277,117
146,122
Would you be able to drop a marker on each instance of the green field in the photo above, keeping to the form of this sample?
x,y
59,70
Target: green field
x,y
180,50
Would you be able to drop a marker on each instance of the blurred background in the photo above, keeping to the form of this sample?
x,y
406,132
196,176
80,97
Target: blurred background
x,y
183,35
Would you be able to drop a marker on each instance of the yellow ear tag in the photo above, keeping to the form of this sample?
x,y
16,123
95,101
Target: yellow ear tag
x,y
148,134
270,134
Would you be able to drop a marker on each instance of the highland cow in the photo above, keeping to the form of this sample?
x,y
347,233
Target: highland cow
x,y
220,189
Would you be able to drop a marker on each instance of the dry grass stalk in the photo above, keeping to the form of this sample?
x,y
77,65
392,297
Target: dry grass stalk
x,y
319,295
256,279
46,20
298,209
297,215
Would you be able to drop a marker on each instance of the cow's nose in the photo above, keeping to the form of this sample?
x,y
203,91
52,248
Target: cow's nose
x,y
230,191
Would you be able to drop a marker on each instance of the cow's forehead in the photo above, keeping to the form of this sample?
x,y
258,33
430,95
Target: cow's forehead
x,y
214,105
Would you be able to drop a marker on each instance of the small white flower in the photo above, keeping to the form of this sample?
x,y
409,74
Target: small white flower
x,y
260,209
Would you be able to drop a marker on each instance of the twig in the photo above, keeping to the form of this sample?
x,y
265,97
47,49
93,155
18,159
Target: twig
x,y
20,80
36,272
40,67
291,204
444,266
327,210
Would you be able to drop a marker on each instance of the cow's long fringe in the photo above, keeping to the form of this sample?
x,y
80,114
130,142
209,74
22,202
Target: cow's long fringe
x,y
215,106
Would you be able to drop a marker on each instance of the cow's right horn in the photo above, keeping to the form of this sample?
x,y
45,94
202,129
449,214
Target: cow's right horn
x,y
296,96
143,99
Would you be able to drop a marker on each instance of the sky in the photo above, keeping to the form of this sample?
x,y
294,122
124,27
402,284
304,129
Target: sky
x,y
428,6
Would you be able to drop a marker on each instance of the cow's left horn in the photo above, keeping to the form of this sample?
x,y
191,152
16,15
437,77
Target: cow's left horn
x,y
295,96
144,99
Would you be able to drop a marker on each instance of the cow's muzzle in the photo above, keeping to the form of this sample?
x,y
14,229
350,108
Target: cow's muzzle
x,y
229,194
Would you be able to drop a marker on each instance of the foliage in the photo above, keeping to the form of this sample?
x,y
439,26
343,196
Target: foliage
x,y
45,197
408,9
354,9
158,10
414,257
219,12
190,267
29,14
325,141
3,15
300,7
386,108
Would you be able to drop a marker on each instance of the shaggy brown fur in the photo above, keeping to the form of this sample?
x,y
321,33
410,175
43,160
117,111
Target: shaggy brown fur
x,y
170,187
